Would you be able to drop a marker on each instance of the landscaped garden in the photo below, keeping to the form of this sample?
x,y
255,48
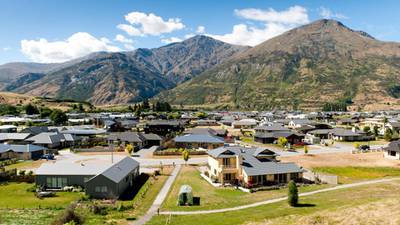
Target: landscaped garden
x,y
213,198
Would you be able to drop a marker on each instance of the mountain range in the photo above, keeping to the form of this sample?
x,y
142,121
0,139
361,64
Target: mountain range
x,y
126,77
306,67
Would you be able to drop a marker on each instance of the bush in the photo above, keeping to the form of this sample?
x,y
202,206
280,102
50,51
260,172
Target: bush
x,y
31,188
98,209
68,216
293,195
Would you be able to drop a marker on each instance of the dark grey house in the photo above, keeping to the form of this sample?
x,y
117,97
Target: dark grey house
x,y
100,180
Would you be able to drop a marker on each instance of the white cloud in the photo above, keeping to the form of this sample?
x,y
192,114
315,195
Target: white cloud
x,y
130,30
293,15
170,40
78,45
200,30
328,14
141,24
122,39
129,47
273,23
6,49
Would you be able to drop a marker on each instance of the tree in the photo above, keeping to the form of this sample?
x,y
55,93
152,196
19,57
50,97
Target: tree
x,y
293,194
146,104
45,112
388,134
129,148
201,115
185,155
367,129
31,109
375,130
356,146
80,108
58,117
282,141
305,149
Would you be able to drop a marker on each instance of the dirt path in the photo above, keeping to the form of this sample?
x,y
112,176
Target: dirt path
x,y
344,186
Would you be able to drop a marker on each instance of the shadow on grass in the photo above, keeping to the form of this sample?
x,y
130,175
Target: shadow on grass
x,y
130,193
301,205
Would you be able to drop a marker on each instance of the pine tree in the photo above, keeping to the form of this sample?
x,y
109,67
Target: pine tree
x,y
293,194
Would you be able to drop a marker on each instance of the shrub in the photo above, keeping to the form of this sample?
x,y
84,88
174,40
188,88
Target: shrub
x,y
98,209
293,195
31,188
68,216
282,141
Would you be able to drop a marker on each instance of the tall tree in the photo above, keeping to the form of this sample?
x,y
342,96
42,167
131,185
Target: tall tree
x,y
293,194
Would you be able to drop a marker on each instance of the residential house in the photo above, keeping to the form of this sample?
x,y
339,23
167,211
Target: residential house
x,y
270,134
21,152
250,167
392,151
195,141
53,140
138,140
100,180
164,127
245,124
8,129
15,138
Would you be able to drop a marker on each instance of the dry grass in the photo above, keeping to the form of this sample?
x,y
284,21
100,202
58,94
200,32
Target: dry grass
x,y
381,212
373,159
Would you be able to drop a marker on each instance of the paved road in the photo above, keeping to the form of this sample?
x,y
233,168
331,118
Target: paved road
x,y
160,198
339,187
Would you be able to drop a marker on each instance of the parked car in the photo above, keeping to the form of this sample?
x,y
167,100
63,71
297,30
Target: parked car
x,y
48,156
364,147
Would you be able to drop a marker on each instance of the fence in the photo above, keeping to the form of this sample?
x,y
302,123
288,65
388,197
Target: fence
x,y
320,177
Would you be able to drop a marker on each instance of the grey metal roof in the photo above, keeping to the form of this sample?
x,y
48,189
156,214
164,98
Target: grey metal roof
x,y
121,169
51,138
20,148
273,127
393,146
126,136
152,137
72,168
13,136
198,138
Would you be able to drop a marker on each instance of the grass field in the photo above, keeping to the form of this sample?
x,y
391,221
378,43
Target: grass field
x,y
23,165
317,209
353,174
214,198
16,196
18,206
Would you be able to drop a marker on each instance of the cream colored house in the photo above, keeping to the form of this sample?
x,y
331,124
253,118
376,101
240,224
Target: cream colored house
x,y
250,167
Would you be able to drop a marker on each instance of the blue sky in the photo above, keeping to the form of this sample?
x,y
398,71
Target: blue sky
x,y
59,30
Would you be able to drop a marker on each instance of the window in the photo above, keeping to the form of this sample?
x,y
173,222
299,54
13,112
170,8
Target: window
x,y
392,153
226,161
48,182
100,189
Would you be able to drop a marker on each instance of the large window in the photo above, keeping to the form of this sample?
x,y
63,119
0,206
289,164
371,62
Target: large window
x,y
392,153
56,182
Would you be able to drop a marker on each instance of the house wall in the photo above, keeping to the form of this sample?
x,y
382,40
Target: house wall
x,y
72,180
98,182
387,155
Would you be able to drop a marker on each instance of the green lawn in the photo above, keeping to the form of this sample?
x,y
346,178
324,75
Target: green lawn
x,y
15,196
25,164
281,213
214,198
18,206
353,174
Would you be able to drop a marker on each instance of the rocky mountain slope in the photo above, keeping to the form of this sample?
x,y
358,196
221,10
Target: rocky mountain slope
x,y
114,78
322,62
